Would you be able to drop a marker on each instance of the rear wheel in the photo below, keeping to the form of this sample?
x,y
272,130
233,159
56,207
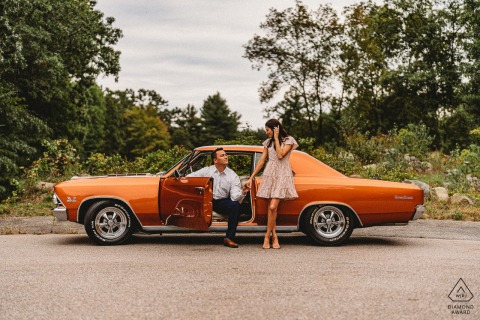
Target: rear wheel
x,y
329,225
108,223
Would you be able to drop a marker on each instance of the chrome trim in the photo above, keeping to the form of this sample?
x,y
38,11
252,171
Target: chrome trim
x,y
327,203
57,201
173,229
419,210
60,214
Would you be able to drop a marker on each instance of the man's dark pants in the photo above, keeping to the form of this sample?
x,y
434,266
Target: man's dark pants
x,y
230,208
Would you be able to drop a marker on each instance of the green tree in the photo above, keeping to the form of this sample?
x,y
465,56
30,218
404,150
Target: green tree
x,y
299,50
217,120
186,127
144,103
90,125
20,134
116,103
371,45
52,54
146,132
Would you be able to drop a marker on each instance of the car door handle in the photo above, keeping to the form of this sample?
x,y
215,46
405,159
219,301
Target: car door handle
x,y
200,190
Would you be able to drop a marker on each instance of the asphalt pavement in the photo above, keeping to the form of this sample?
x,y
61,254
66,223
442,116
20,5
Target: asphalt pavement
x,y
430,229
408,272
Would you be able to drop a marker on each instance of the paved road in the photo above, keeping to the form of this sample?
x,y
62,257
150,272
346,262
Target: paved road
x,y
382,273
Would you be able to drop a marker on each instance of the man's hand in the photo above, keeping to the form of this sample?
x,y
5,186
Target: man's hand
x,y
245,189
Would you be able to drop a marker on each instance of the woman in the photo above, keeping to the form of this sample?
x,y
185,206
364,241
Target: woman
x,y
277,180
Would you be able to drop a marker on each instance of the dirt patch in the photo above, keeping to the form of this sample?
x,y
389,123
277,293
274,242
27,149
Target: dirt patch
x,y
38,225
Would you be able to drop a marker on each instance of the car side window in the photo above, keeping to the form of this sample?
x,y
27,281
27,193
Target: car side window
x,y
258,155
240,163
201,161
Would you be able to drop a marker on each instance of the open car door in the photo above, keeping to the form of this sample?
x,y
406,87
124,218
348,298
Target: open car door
x,y
186,202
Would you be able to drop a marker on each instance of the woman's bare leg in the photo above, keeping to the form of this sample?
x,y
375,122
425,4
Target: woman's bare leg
x,y
272,221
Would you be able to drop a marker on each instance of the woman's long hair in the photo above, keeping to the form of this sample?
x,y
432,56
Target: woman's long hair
x,y
282,134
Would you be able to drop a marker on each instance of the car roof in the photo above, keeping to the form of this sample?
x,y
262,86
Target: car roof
x,y
232,148
302,163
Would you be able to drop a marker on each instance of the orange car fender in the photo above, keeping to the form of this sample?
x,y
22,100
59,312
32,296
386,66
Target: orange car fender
x,y
89,201
306,208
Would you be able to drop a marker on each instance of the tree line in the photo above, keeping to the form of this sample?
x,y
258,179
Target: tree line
x,y
377,67
368,70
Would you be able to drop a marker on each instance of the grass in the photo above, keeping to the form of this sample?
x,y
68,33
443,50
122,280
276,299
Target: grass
x,y
448,211
38,203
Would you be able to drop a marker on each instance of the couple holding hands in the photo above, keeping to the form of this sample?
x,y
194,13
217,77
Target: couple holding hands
x,y
277,182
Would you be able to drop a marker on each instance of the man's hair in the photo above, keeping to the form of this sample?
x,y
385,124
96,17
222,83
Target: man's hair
x,y
214,153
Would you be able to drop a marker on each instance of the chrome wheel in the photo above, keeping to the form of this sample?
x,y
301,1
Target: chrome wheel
x,y
328,221
329,225
110,223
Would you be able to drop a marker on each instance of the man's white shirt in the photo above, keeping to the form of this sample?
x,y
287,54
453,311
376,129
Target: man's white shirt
x,y
225,184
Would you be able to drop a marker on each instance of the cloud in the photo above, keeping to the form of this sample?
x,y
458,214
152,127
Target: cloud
x,y
188,50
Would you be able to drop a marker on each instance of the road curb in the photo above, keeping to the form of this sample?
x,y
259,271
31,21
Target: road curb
x,y
432,229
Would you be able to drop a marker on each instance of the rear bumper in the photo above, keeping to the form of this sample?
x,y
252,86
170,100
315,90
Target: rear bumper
x,y
419,210
60,214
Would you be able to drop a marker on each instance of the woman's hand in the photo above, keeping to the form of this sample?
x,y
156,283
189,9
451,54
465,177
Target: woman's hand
x,y
248,184
276,130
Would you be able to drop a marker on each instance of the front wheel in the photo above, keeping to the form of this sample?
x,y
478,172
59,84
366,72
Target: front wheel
x,y
329,225
108,223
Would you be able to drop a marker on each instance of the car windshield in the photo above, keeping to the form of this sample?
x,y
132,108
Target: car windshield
x,y
183,161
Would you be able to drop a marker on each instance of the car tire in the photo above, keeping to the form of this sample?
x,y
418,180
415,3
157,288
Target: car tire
x,y
108,223
329,225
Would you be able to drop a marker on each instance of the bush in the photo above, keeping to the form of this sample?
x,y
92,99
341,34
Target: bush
x,y
60,160
100,164
414,140
342,161
366,150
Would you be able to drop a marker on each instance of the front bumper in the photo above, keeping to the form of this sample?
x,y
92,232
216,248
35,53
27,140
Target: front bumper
x,y
419,210
60,214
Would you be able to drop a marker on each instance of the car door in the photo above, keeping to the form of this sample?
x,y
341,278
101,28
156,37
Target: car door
x,y
186,202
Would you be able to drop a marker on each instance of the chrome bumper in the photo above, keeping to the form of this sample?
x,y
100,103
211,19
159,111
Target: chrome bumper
x,y
60,214
419,210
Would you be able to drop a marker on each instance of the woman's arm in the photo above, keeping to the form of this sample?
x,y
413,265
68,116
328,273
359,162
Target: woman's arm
x,y
281,152
258,167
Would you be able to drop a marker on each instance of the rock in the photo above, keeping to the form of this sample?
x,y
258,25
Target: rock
x,y
439,194
427,166
425,187
47,186
461,199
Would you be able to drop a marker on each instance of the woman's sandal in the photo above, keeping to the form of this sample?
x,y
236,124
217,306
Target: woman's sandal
x,y
266,243
275,244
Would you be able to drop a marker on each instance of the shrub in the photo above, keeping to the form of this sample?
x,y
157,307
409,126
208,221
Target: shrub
x,y
100,164
342,161
414,140
160,160
366,150
58,161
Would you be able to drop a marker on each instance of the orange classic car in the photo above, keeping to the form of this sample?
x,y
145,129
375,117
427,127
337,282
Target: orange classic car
x,y
330,205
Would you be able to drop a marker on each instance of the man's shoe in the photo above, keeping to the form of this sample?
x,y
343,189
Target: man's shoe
x,y
229,243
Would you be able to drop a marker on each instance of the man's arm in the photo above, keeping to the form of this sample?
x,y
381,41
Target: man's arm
x,y
199,173
236,192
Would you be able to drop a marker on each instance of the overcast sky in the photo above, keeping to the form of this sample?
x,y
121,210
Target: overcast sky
x,y
187,50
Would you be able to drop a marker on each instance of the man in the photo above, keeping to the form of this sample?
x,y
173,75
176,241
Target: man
x,y
227,192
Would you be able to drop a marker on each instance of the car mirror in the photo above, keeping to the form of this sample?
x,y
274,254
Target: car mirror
x,y
177,174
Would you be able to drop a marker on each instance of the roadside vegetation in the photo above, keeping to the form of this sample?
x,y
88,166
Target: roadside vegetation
x,y
398,156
